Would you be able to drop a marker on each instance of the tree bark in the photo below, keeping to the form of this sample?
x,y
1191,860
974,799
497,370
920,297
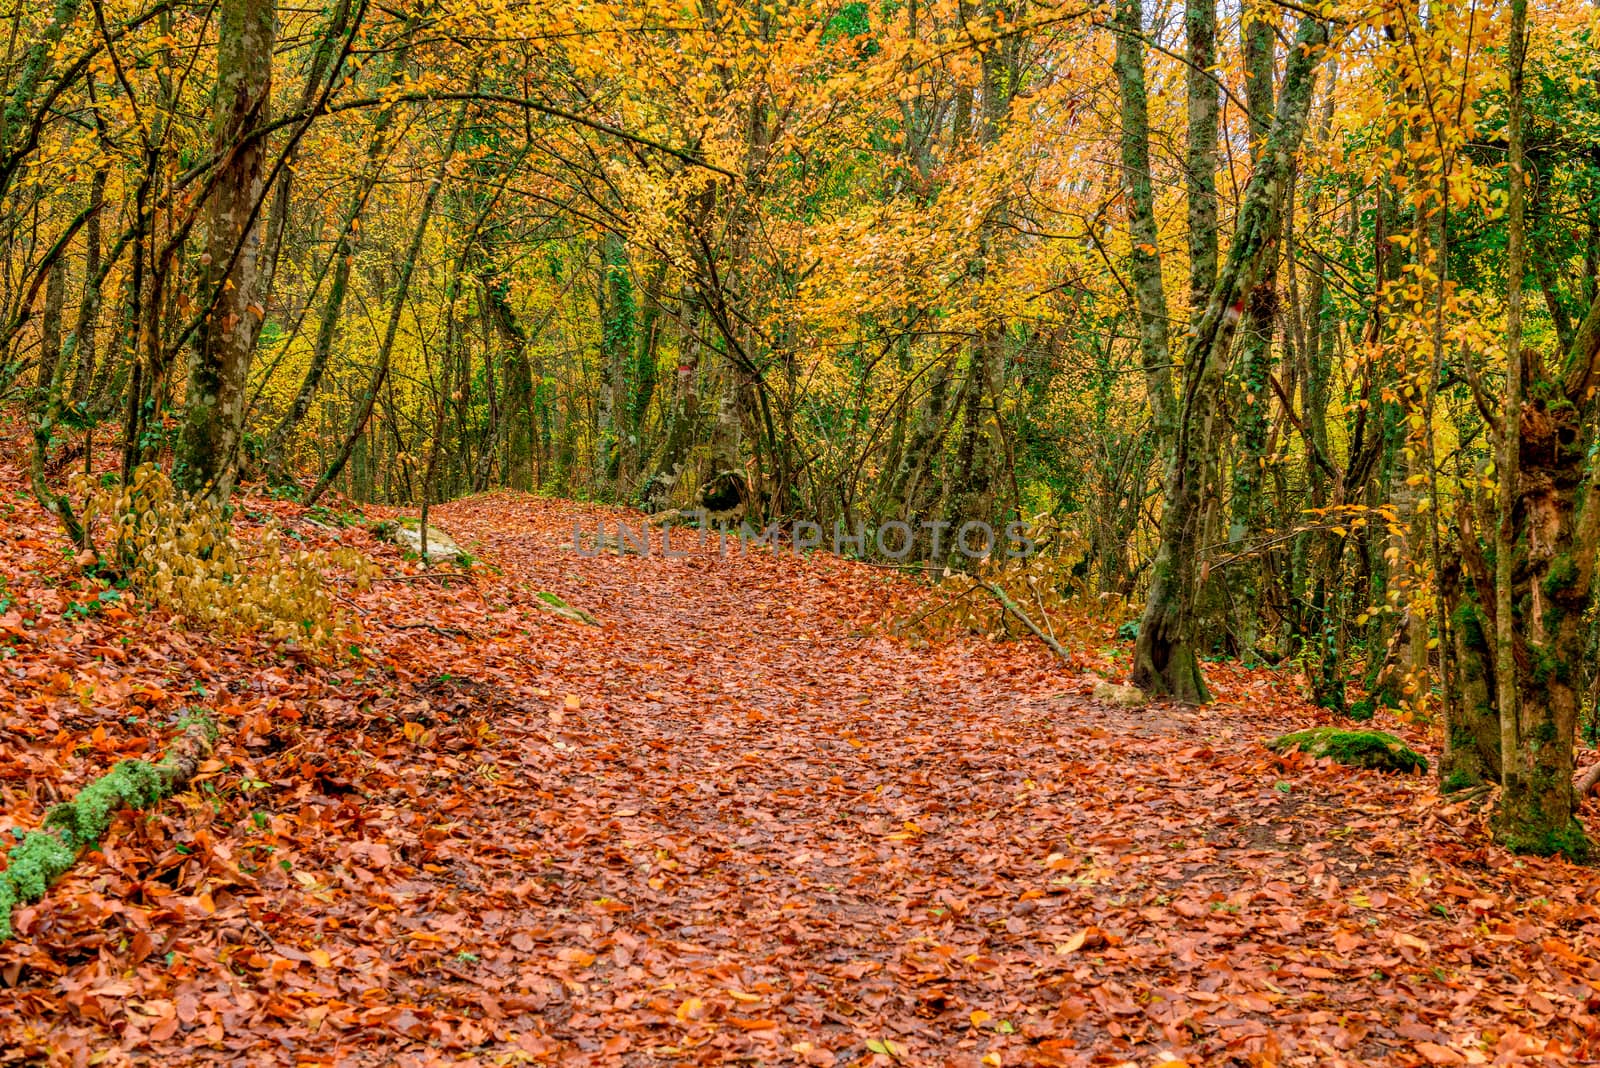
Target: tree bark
x,y
1204,96
1144,258
205,459
1165,661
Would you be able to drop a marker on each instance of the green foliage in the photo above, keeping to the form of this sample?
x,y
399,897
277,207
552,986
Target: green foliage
x,y
1362,749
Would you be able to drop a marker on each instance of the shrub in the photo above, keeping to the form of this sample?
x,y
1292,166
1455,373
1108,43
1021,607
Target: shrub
x,y
183,555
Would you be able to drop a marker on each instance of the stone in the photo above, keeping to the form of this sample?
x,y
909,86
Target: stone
x,y
1376,750
1121,696
407,533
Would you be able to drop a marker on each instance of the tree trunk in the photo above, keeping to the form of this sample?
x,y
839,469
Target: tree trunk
x,y
682,419
1250,379
83,333
206,456
1165,662
1144,258
1204,94
616,340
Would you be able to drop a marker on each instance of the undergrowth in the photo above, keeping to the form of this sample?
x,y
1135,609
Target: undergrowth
x,y
184,556
1046,585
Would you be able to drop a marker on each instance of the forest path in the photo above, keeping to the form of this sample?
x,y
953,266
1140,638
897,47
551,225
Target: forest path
x,y
779,837
733,823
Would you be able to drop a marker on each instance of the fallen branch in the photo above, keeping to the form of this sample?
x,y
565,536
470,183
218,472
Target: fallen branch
x,y
940,607
1588,782
1011,606
45,855
432,628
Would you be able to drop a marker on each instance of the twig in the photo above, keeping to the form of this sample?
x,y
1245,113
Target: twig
x,y
1011,606
940,607
448,632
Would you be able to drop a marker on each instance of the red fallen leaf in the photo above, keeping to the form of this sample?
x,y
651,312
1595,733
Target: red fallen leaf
x,y
1434,1053
744,1023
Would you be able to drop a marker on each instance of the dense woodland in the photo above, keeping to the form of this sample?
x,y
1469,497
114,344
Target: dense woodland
x,y
1285,317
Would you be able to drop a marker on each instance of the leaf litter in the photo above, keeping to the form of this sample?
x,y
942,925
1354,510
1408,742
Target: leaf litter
x,y
731,822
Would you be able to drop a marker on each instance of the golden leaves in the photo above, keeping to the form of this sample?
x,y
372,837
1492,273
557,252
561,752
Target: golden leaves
x,y
185,557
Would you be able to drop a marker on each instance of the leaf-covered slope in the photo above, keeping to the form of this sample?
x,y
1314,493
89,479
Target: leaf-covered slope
x,y
729,823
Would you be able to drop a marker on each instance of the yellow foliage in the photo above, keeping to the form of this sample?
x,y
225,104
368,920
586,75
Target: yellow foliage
x,y
184,556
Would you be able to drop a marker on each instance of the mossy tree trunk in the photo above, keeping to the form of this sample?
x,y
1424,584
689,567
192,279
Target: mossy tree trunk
x,y
1545,544
617,309
206,456
1472,719
1144,257
1251,377
1165,662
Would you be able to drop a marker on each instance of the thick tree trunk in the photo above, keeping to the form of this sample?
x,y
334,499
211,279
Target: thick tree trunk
x,y
1553,559
656,493
205,459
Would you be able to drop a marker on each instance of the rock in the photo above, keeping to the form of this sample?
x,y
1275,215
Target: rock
x,y
549,602
407,533
1358,749
1122,696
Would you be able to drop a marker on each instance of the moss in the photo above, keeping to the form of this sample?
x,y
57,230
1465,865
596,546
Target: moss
x,y
1457,780
1362,709
43,856
1362,749
1548,667
1568,841
1561,575
1468,623
84,819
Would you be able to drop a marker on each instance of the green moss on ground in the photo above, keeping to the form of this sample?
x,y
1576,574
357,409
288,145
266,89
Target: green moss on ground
x,y
1360,749
45,855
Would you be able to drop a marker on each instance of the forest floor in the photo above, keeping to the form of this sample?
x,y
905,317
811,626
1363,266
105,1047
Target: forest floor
x,y
733,822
